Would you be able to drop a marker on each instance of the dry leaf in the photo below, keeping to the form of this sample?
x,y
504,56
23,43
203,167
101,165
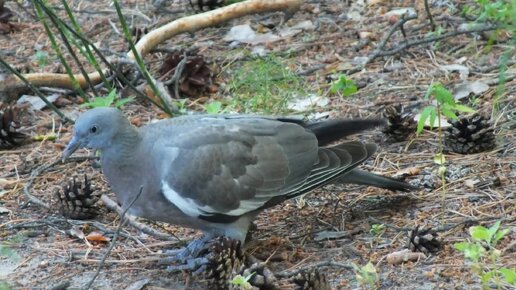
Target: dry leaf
x,y
410,171
97,237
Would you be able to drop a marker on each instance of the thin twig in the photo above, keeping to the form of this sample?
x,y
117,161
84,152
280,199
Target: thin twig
x,y
429,14
408,44
389,33
112,205
113,241
178,73
32,178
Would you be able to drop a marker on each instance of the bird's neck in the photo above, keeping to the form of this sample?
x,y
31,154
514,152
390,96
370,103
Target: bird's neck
x,y
124,149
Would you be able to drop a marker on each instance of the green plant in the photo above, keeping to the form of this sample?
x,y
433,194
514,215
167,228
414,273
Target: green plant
x,y
445,106
344,86
500,11
41,57
484,255
377,229
367,276
242,282
263,85
107,101
214,107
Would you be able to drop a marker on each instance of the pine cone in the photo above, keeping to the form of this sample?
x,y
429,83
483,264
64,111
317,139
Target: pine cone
x,y
77,200
311,280
425,241
138,33
211,4
401,124
226,260
195,76
9,138
469,135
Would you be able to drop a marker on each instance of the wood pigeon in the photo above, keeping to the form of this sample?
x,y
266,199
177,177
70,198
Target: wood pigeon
x,y
216,173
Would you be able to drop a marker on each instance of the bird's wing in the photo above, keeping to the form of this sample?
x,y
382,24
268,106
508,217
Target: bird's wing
x,y
226,167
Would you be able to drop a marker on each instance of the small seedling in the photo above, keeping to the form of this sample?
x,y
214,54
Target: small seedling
x,y
377,229
41,58
367,276
445,106
344,86
484,255
263,85
242,282
107,101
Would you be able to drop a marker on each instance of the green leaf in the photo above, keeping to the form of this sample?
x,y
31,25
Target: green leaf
x,y
369,268
461,246
500,234
213,107
462,108
494,228
429,92
433,117
486,277
509,275
123,101
441,94
448,112
423,117
345,86
480,233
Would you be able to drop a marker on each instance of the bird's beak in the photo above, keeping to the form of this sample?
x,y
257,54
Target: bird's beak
x,y
74,144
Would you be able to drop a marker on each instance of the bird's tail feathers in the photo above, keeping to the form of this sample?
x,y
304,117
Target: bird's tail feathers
x,y
362,177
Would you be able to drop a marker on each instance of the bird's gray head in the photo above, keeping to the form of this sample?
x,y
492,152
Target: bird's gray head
x,y
96,129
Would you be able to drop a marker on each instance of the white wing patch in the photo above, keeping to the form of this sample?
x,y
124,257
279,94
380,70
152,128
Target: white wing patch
x,y
191,208
186,205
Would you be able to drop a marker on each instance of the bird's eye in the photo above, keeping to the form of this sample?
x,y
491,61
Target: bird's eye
x,y
94,129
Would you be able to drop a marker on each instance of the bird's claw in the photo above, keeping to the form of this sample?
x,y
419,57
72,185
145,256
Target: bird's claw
x,y
191,257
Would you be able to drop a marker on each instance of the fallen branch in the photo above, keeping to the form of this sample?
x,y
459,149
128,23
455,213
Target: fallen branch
x,y
153,38
408,44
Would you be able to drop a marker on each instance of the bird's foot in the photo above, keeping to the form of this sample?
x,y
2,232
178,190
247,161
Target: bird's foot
x,y
191,256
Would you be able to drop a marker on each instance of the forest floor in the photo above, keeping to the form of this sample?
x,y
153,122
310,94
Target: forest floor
x,y
333,227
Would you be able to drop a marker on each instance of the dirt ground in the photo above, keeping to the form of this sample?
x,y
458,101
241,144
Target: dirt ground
x,y
333,224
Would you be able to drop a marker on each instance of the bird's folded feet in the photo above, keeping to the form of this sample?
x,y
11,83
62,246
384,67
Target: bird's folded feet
x,y
191,257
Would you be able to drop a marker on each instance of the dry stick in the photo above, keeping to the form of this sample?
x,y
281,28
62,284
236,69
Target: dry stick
x,y
149,41
387,36
408,44
287,274
32,178
429,14
113,241
112,205
177,74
